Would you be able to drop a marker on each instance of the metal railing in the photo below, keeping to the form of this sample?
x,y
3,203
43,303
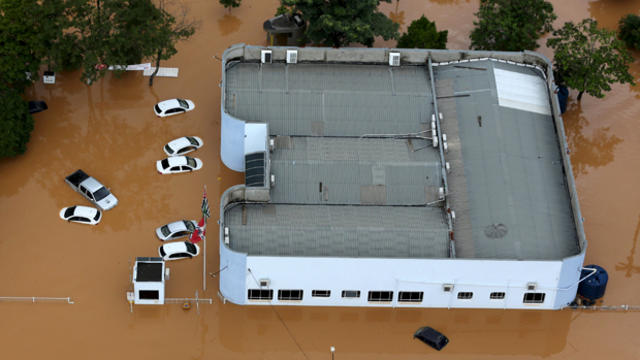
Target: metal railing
x,y
34,299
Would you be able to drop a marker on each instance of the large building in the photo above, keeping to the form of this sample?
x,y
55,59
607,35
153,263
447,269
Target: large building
x,y
396,177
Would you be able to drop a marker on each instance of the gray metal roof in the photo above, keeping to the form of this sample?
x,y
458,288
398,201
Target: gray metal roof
x,y
332,170
337,230
506,187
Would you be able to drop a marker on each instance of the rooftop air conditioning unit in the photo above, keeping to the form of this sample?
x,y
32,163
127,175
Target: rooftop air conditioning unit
x,y
441,193
273,180
447,166
265,56
292,56
272,144
531,286
226,235
265,283
447,287
394,59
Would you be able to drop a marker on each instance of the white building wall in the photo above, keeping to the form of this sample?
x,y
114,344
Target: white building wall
x,y
428,275
231,141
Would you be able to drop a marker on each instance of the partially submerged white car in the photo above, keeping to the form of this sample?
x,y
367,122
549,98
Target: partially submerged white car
x,y
183,145
173,107
178,164
178,250
81,214
176,229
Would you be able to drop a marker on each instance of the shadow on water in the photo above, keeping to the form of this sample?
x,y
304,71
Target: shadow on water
x,y
609,12
629,266
588,151
377,331
228,24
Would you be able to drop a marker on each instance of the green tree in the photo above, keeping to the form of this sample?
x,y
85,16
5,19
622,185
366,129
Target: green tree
x,y
511,25
423,34
228,4
339,23
16,123
590,59
165,33
629,30
21,43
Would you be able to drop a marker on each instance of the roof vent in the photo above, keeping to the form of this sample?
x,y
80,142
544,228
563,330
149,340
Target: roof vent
x,y
394,59
447,166
531,286
441,193
292,56
273,180
272,144
265,56
447,287
453,216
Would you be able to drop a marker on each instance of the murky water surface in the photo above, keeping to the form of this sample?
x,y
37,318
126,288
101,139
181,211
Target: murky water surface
x,y
109,130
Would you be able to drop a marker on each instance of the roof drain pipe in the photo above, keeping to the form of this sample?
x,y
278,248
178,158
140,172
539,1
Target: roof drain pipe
x,y
436,143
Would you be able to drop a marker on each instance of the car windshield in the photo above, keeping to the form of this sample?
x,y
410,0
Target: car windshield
x,y
165,163
101,193
69,211
191,162
158,109
162,253
190,248
189,225
183,103
168,149
97,217
192,141
165,230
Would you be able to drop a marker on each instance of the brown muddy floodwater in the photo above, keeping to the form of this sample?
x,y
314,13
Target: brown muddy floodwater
x,y
109,130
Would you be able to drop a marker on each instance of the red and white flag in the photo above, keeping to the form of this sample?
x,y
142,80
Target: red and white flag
x,y
201,230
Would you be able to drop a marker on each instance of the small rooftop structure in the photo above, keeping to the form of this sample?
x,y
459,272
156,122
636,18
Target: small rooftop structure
x,y
148,281
284,30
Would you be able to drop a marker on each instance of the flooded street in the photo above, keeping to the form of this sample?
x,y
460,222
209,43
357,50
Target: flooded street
x,y
109,130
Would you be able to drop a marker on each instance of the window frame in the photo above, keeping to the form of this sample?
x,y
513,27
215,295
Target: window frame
x,y
380,296
497,295
411,297
321,293
464,295
346,294
260,297
535,299
288,294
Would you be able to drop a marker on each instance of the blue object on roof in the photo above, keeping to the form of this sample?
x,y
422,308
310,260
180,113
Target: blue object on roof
x,y
563,96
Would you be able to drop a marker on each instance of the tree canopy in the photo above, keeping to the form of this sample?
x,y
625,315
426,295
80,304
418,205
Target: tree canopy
x,y
511,25
339,23
629,30
16,123
230,3
423,34
590,59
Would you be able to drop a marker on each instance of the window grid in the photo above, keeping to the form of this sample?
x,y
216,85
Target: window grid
x,y
533,298
465,295
260,294
380,295
350,293
321,293
289,294
497,295
410,296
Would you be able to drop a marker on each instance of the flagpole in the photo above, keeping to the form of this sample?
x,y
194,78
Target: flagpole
x,y
204,255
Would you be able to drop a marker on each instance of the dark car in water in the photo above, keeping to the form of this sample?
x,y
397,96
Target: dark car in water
x,y
431,337
37,106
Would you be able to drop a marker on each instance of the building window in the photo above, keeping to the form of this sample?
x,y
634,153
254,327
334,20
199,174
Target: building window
x,y
289,294
496,295
321,293
350,293
533,298
260,294
410,296
380,295
466,295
